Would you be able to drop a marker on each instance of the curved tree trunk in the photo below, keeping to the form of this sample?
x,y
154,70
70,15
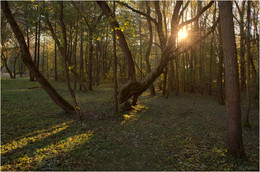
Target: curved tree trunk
x,y
169,52
30,64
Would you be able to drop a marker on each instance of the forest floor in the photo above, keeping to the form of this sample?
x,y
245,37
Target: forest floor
x,y
184,132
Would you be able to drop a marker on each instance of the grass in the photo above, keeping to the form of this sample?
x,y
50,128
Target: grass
x,y
184,132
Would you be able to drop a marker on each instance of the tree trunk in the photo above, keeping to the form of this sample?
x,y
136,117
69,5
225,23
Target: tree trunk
x,y
81,69
43,49
115,65
98,47
55,57
90,65
127,53
27,59
234,140
220,69
75,52
66,62
4,59
35,48
132,87
242,51
62,52
248,65
39,41
177,76
148,51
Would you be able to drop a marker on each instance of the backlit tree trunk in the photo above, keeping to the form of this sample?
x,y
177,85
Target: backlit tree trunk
x,y
234,140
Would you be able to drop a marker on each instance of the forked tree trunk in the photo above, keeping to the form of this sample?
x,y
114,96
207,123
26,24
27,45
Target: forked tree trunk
x,y
234,141
132,87
66,62
4,59
62,52
27,59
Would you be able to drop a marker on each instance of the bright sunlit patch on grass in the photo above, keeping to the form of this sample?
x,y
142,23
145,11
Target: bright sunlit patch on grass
x,y
182,34
41,134
132,115
27,162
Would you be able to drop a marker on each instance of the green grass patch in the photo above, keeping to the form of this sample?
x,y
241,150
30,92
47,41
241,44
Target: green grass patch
x,y
184,132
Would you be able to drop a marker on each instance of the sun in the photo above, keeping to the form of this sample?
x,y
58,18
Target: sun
x,y
182,34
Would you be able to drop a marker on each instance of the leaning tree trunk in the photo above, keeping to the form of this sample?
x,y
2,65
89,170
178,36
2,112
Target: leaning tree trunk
x,y
127,53
234,140
27,59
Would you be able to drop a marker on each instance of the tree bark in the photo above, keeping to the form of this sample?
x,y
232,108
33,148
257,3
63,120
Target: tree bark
x,y
90,65
35,47
27,59
234,141
127,53
148,51
220,69
66,62
55,56
81,68
4,59
115,65
248,65
39,41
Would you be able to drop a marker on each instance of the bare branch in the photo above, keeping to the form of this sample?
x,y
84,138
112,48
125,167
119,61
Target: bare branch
x,y
137,11
196,17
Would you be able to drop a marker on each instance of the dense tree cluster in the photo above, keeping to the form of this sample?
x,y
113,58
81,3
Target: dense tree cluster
x,y
164,46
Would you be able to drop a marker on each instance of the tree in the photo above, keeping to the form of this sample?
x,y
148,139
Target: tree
x,y
27,59
249,56
66,63
133,88
220,69
115,64
234,141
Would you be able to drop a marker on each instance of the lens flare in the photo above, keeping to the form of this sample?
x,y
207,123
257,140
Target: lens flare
x,y
182,34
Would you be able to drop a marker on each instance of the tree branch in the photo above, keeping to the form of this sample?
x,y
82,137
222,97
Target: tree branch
x,y
137,11
196,17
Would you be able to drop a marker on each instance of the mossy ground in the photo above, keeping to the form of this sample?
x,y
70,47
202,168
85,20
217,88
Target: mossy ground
x,y
184,132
